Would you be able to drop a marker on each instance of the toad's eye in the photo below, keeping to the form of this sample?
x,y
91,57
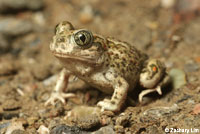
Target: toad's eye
x,y
154,68
83,38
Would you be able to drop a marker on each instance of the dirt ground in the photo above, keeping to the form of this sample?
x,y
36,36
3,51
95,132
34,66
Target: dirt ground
x,y
28,69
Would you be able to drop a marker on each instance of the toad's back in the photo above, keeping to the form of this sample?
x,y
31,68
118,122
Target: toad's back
x,y
126,60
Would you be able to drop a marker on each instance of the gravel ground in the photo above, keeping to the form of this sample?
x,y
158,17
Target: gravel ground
x,y
167,31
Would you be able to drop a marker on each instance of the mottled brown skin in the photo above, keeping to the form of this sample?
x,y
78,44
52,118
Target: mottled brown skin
x,y
112,66
125,60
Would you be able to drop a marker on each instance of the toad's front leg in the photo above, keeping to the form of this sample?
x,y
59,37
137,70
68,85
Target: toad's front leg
x,y
61,85
118,97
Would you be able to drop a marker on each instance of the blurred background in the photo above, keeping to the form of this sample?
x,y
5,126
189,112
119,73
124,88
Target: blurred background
x,y
164,29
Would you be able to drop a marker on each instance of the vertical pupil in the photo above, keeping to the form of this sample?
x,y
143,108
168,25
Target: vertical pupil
x,y
82,38
55,30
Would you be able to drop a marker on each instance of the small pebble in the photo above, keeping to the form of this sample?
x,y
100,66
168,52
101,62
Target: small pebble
x,y
167,3
196,109
86,15
39,18
43,130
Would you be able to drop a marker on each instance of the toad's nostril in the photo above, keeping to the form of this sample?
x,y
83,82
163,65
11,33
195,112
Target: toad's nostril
x,y
62,46
60,40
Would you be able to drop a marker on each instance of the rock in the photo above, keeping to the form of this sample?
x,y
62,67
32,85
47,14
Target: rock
x,y
14,27
105,130
15,5
39,19
63,129
84,117
159,112
178,78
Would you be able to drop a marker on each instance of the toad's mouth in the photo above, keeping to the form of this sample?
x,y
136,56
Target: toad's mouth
x,y
81,58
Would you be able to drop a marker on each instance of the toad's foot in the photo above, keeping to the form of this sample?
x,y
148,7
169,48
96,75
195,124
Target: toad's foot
x,y
107,104
145,92
56,95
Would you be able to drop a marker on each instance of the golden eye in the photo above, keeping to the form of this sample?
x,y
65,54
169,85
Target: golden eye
x,y
83,38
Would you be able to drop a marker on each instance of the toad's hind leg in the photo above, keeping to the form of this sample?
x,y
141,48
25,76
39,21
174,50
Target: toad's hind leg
x,y
147,91
152,77
165,81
